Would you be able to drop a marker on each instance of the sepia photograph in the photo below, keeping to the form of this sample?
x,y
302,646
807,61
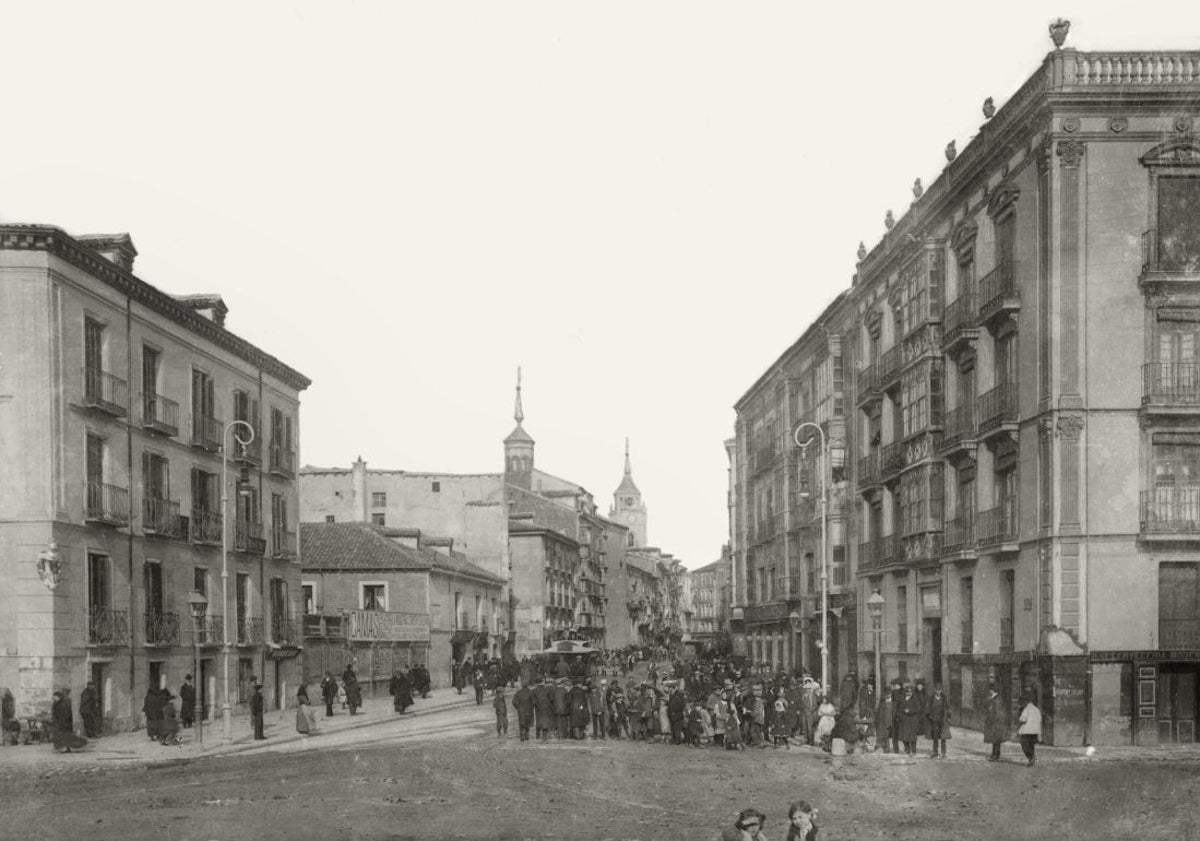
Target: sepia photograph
x,y
624,421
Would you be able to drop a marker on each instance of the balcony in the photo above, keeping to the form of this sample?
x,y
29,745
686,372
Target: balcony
x,y
958,436
106,504
1006,634
249,454
868,386
998,526
206,433
999,296
160,628
160,414
283,462
249,631
997,412
1171,387
160,517
211,631
891,460
249,538
320,625
1177,634
1169,263
789,587
958,538
876,553
869,470
283,543
1171,511
283,631
889,368
105,392
206,528
106,626
958,328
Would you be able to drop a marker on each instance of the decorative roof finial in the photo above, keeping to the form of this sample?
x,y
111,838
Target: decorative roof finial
x,y
862,251
917,189
889,220
951,151
1058,32
628,469
518,412
989,108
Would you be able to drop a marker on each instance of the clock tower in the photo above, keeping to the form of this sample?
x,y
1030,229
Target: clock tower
x,y
627,508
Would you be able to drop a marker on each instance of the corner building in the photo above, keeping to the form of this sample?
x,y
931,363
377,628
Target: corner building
x,y
116,401
1023,449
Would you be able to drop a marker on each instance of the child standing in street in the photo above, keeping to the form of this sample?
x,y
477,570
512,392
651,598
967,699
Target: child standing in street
x,y
500,705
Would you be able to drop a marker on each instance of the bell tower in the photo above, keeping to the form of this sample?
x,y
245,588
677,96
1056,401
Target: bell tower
x,y
628,508
518,449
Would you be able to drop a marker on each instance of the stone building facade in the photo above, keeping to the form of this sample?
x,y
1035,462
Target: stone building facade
x,y
118,410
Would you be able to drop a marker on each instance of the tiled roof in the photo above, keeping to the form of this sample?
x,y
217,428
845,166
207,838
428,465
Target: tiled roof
x,y
353,546
458,564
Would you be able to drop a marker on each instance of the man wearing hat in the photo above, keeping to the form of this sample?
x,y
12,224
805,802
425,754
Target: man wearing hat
x,y
187,702
256,711
89,710
995,723
562,707
523,703
598,701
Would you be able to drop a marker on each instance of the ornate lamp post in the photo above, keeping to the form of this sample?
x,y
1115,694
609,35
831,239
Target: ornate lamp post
x,y
797,623
226,708
803,445
875,607
199,606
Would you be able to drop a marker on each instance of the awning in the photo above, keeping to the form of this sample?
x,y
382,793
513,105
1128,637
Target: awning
x,y
461,636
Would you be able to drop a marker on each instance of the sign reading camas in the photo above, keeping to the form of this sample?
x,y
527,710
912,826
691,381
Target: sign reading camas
x,y
388,627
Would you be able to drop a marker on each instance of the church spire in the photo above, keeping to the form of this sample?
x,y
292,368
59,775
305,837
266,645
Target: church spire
x,y
628,469
518,412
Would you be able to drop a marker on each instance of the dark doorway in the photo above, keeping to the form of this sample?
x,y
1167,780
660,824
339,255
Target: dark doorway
x,y
205,677
1177,702
933,646
98,674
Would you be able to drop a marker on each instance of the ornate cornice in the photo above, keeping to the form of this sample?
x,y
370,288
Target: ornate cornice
x,y
59,243
962,239
1070,427
1003,200
1181,151
1070,152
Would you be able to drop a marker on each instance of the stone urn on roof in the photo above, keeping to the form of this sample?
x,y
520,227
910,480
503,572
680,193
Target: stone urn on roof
x,y
1058,32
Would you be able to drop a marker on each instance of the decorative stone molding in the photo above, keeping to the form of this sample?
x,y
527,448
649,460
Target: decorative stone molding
x,y
874,322
1070,427
1070,152
1183,124
1046,427
1118,124
1003,200
1070,124
1182,151
962,239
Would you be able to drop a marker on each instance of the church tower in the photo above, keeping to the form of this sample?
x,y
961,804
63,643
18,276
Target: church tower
x,y
518,449
628,508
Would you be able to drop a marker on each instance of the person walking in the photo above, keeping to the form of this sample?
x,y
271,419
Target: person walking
x,y
524,705
1030,729
329,692
169,727
89,710
187,702
306,721
152,706
478,683
995,723
935,714
256,711
500,705
62,722
909,720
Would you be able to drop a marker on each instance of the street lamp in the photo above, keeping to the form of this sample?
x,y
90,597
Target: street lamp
x,y
226,708
824,643
875,607
797,623
199,606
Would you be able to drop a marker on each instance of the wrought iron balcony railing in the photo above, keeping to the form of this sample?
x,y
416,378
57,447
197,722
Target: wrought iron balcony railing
x,y
206,527
160,414
283,630
283,461
160,517
891,459
959,425
250,631
108,504
997,525
206,432
1171,383
997,407
959,534
889,366
1171,509
249,537
161,628
283,543
249,453
869,468
104,391
997,286
1170,254
107,626
210,630
960,315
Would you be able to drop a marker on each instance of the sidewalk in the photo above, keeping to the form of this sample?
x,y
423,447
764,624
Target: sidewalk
x,y
279,726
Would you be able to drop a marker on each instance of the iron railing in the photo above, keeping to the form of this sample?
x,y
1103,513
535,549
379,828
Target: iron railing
x,y
959,425
889,365
206,527
997,406
249,453
1171,383
107,626
891,458
160,517
250,631
997,285
210,630
959,534
283,630
249,537
1006,633
869,468
105,391
160,414
960,315
107,504
206,432
868,383
1171,509
283,542
283,461
997,525
161,628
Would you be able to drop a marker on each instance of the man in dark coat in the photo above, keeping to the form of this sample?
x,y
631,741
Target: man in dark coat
x,y
909,717
353,693
935,714
522,702
500,705
400,688
885,722
62,722
89,710
581,713
479,684
329,692
995,723
420,679
256,711
562,709
922,696
543,709
187,702
457,677
848,696
152,706
676,705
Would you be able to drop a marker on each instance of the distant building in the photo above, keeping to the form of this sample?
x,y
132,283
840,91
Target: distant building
x,y
628,507
710,601
117,412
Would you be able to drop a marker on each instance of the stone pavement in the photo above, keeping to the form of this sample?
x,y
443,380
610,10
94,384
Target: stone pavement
x,y
136,749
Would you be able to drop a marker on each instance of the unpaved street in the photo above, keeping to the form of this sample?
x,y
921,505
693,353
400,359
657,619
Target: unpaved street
x,y
450,777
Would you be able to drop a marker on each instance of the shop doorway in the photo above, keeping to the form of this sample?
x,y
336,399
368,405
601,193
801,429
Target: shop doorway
x,y
932,645
99,676
1177,702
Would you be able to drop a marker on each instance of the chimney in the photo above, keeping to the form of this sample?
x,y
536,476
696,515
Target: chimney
x,y
116,248
359,501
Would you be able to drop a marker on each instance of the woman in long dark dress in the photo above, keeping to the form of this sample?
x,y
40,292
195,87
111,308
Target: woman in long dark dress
x,y
63,723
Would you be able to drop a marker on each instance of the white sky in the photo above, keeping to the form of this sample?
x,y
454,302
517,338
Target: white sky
x,y
641,203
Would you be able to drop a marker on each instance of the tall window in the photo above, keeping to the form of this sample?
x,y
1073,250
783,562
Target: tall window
x,y
915,401
200,581
1006,500
156,475
378,500
245,408
204,399
95,459
242,605
307,594
279,610
93,345
902,619
1007,608
281,430
1179,223
373,597
966,600
460,618
1179,606
1006,360
150,368
206,492
152,583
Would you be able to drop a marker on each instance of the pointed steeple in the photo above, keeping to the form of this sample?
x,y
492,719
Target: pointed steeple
x,y
518,412
627,486
628,469
518,447
519,434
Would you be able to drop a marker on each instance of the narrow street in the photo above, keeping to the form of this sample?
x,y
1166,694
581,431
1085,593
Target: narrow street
x,y
446,775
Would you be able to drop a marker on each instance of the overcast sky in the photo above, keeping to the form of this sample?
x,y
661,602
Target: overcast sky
x,y
642,204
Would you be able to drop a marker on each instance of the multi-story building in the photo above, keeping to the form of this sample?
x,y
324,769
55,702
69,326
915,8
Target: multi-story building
x,y
119,406
1024,481
710,603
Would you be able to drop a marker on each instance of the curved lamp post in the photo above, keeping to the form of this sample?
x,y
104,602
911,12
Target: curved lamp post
x,y
226,708
199,606
875,607
803,445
